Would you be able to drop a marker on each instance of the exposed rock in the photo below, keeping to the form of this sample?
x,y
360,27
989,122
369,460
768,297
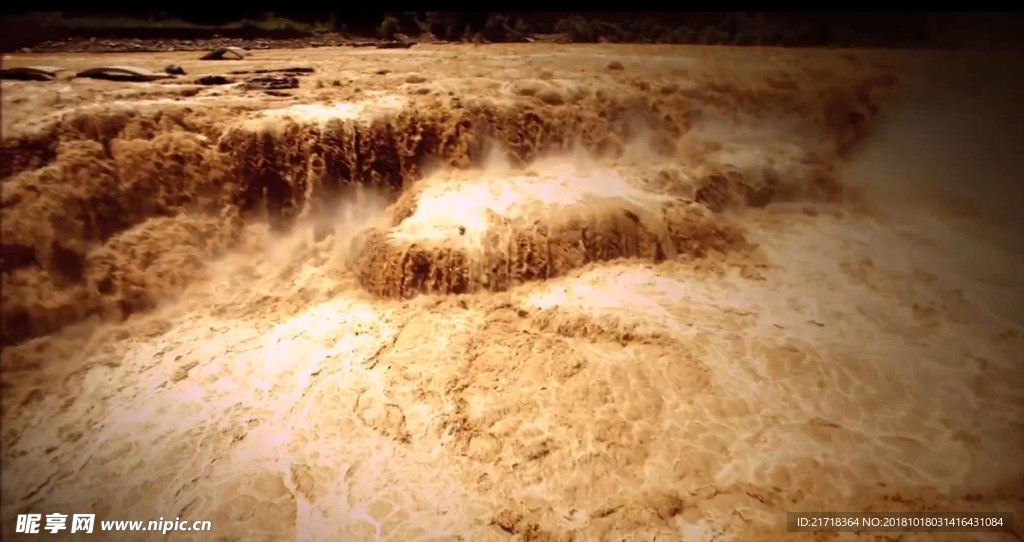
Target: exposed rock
x,y
213,80
226,53
272,82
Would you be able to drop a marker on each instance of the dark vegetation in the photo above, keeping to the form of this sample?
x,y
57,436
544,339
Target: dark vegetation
x,y
790,29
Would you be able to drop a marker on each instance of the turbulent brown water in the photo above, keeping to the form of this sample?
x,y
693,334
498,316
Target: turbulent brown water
x,y
523,297
108,212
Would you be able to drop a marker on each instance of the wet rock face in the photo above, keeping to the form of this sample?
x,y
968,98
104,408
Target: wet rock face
x,y
272,82
213,80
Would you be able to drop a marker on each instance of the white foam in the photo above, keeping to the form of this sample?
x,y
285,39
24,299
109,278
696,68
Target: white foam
x,y
322,113
446,205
